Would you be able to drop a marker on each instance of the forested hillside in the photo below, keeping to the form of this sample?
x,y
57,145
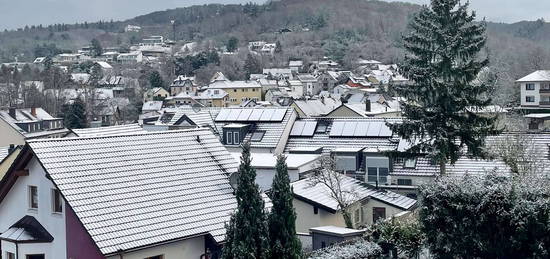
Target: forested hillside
x,y
342,30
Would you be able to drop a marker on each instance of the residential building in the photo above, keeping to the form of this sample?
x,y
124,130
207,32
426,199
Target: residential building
x,y
281,74
535,89
296,65
265,128
278,96
238,91
325,236
183,84
297,89
316,207
133,196
207,98
265,165
155,94
256,45
310,83
132,28
133,57
107,131
328,80
19,125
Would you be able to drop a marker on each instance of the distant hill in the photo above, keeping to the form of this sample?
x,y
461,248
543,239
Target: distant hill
x,y
342,30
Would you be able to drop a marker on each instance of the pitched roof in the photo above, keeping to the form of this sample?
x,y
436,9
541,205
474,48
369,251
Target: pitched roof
x,y
537,76
318,107
354,190
137,190
109,131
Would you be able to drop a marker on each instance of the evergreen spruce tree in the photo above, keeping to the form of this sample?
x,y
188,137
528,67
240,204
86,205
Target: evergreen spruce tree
x,y
252,65
282,219
247,229
443,61
75,114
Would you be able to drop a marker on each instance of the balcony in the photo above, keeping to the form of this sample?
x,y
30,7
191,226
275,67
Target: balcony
x,y
544,90
544,103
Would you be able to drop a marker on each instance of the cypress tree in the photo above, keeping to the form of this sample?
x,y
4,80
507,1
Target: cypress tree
x,y
443,61
282,219
247,229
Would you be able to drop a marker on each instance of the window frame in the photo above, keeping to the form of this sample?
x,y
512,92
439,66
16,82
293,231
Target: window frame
x,y
408,182
408,160
31,197
257,139
56,198
377,214
236,138
529,99
530,87
229,138
315,210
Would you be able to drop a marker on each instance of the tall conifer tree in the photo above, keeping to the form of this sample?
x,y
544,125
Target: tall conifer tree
x,y
282,219
247,229
443,61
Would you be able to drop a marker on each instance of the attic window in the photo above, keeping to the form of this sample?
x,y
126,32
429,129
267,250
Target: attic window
x,y
257,136
321,128
410,163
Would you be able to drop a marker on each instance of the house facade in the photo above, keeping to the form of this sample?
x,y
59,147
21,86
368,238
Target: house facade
x,y
18,125
238,91
535,89
75,205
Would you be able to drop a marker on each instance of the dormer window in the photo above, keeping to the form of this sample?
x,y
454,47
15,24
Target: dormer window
x,y
233,133
410,163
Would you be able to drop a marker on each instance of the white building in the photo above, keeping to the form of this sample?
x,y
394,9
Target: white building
x,y
535,89
145,195
130,58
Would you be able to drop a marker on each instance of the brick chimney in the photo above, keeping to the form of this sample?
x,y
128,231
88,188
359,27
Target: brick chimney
x,y
367,105
33,111
11,112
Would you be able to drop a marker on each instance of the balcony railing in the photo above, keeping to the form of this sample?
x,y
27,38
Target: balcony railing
x,y
545,103
542,90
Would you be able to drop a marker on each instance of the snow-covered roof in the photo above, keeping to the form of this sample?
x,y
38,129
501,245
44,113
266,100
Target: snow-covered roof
x,y
104,65
222,84
268,160
109,131
537,76
344,232
353,190
139,190
152,106
317,107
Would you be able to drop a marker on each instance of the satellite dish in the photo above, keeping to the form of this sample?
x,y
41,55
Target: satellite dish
x,y
196,107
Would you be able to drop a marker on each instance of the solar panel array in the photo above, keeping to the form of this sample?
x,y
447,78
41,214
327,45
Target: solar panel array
x,y
251,115
303,129
360,129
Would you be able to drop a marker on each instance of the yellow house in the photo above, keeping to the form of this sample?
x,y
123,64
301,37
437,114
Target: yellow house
x,y
155,94
7,156
238,91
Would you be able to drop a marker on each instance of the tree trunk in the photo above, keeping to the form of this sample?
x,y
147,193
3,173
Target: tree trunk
x,y
442,167
347,218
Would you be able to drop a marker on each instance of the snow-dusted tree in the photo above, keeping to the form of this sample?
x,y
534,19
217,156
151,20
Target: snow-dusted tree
x,y
488,216
443,61
520,153
281,221
328,176
247,229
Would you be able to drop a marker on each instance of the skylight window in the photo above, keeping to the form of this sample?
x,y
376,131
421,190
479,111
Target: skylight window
x,y
257,136
321,128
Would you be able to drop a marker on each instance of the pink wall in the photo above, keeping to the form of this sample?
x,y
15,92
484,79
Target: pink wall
x,y
79,244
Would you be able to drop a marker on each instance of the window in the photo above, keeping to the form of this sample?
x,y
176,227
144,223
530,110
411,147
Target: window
x,y
236,138
377,169
321,128
233,99
257,136
407,182
410,163
357,216
530,87
378,214
33,197
57,205
530,99
315,210
10,255
229,138
156,257
37,256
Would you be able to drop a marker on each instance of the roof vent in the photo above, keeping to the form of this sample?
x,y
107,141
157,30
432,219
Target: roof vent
x,y
198,139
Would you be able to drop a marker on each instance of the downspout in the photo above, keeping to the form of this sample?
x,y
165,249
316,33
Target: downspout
x,y
121,253
16,250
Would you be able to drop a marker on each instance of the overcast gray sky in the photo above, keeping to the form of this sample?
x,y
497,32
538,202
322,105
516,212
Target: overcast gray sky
x,y
18,13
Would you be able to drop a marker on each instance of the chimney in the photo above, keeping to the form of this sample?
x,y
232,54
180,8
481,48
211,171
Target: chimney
x,y
11,148
12,112
322,99
367,105
33,111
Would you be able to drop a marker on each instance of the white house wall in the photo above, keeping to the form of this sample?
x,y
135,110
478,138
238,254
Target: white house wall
x,y
306,218
186,249
535,93
372,203
264,177
16,205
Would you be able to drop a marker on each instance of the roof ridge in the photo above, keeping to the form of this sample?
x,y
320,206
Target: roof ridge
x,y
117,136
